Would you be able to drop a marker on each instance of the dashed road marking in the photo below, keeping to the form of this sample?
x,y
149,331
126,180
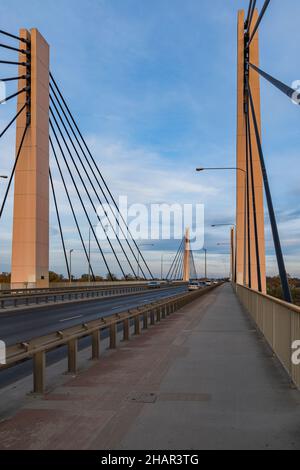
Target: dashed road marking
x,y
72,318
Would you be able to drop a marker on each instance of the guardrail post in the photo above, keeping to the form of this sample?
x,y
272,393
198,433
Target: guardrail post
x,y
152,317
113,336
72,356
137,325
96,345
39,369
126,330
158,315
145,321
164,313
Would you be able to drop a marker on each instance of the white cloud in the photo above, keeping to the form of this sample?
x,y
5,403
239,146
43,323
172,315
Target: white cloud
x,y
146,176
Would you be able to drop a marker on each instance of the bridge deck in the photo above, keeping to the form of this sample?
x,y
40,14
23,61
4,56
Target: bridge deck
x,y
203,379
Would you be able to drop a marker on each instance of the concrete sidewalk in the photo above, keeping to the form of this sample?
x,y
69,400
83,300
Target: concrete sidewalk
x,y
202,379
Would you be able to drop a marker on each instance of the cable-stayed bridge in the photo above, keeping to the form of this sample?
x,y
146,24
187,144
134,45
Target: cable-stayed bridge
x,y
227,347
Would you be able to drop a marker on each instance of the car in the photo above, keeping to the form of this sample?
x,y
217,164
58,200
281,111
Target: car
x,y
202,284
154,285
193,286
208,283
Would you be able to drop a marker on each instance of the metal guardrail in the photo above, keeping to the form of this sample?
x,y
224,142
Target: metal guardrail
x,y
57,287
37,348
24,300
278,321
69,288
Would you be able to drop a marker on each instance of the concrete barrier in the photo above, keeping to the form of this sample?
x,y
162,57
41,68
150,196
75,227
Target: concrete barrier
x,y
280,324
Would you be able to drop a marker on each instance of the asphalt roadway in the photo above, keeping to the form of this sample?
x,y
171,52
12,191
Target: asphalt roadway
x,y
26,324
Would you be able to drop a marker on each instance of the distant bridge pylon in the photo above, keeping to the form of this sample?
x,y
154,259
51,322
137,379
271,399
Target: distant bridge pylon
x,y
183,267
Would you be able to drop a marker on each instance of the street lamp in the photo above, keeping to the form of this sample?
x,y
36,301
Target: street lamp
x,y
234,168
223,225
221,168
205,251
90,232
232,274
3,177
162,263
70,252
106,228
141,246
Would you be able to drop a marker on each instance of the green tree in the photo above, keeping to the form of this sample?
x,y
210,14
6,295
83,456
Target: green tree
x,y
54,277
111,277
5,278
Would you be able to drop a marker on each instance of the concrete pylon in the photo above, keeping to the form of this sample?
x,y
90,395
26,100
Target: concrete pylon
x,y
30,246
249,182
186,260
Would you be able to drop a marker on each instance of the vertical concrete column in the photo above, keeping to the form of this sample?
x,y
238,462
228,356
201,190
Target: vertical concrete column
x,y
186,260
30,245
241,154
242,241
257,173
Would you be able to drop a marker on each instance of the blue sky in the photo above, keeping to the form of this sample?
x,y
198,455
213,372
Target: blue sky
x,y
153,85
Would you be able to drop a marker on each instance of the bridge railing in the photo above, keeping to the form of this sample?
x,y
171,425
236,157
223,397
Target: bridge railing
x,y
24,298
6,289
278,321
139,318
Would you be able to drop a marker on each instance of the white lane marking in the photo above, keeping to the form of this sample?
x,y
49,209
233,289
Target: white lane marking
x,y
68,319
117,308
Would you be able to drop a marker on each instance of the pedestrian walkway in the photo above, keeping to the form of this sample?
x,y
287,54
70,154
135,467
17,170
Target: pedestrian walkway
x,y
202,379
